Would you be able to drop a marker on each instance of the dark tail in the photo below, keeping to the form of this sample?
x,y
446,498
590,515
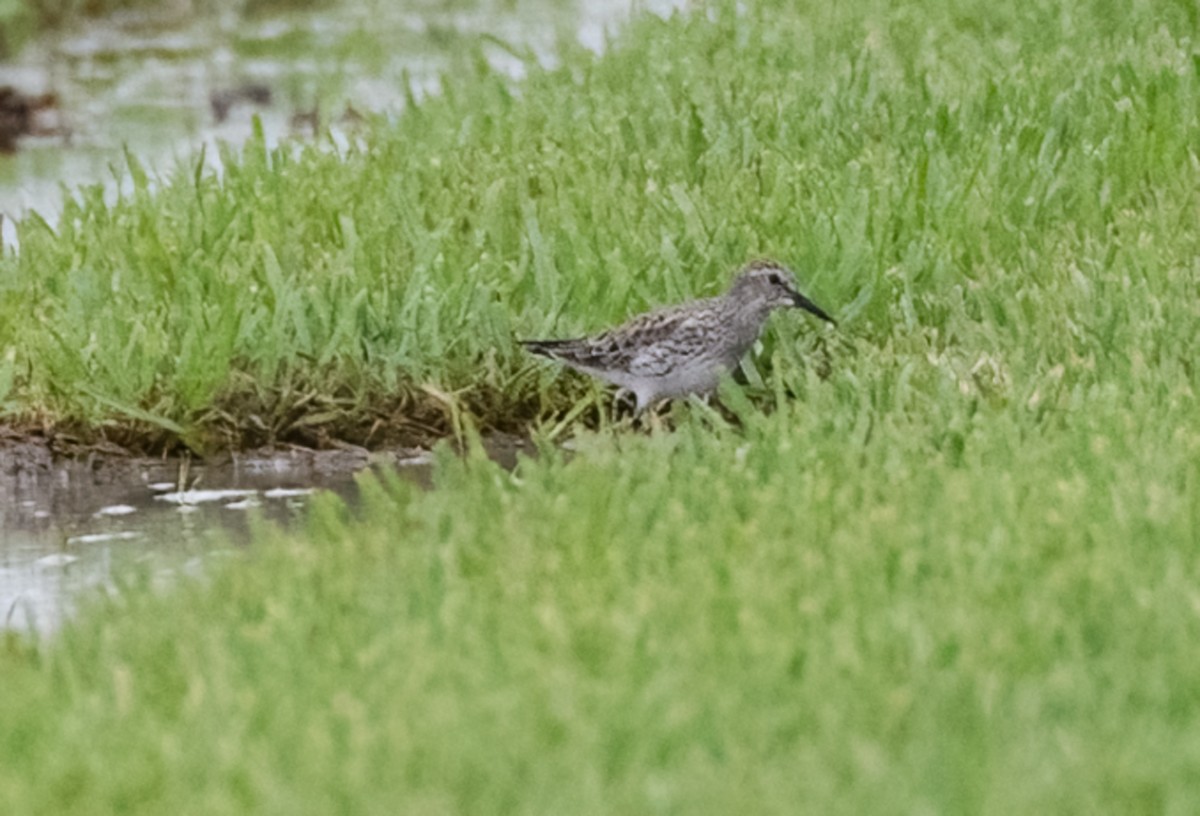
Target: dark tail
x,y
546,348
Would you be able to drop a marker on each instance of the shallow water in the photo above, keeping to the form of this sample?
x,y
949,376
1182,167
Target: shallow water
x,y
70,529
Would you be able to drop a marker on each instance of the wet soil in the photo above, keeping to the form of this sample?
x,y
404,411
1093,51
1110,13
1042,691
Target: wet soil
x,y
24,454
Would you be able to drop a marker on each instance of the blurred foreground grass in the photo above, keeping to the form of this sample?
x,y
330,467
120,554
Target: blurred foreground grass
x,y
948,562
809,614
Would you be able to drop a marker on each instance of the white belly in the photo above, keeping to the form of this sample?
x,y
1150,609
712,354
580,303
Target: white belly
x,y
701,377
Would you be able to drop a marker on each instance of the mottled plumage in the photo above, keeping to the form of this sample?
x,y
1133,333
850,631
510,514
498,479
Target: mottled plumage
x,y
683,349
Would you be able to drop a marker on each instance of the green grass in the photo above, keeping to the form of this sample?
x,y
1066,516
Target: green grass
x,y
1010,192
947,563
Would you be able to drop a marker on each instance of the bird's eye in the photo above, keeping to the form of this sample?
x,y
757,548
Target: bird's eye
x,y
775,279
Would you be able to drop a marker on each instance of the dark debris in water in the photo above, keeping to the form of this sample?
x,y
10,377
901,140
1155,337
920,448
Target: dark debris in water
x,y
24,114
249,93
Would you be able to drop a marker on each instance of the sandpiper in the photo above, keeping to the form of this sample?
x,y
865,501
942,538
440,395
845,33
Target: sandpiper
x,y
683,349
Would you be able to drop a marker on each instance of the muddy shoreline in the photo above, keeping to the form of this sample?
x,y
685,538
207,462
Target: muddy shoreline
x,y
26,454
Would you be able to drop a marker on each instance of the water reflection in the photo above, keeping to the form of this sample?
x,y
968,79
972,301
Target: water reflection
x,y
70,529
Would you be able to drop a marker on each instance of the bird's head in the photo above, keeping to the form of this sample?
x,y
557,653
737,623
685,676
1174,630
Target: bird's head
x,y
772,285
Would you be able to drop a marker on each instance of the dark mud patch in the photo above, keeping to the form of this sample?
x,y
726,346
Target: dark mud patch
x,y
23,453
27,454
